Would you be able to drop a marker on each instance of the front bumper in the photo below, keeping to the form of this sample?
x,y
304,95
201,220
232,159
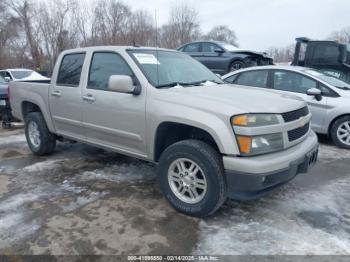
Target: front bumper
x,y
256,176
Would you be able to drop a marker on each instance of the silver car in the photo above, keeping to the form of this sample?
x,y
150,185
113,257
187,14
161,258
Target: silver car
x,y
328,98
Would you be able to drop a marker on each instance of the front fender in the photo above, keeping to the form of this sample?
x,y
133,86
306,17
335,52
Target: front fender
x,y
217,126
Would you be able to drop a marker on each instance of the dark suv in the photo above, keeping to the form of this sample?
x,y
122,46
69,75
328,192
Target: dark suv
x,y
223,58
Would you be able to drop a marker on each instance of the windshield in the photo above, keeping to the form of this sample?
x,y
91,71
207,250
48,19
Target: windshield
x,y
168,68
329,79
21,74
229,47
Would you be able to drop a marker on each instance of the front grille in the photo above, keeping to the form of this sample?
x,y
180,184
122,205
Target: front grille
x,y
295,115
298,132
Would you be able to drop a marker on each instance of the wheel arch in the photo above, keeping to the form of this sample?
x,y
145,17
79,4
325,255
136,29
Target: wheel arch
x,y
168,133
331,123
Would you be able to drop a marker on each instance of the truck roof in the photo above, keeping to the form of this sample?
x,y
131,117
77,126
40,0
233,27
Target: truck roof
x,y
115,48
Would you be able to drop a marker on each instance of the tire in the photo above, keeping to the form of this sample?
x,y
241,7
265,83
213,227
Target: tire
x,y
210,171
236,65
340,132
47,140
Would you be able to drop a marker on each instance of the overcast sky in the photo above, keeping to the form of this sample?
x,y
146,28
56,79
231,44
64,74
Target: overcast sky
x,y
260,24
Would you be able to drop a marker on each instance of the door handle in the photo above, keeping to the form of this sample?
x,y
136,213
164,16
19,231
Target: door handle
x,y
89,98
56,93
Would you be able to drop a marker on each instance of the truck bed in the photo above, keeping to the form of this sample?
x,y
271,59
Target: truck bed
x,y
35,92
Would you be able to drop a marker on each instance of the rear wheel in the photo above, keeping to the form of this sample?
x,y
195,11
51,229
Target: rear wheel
x,y
340,132
40,140
191,177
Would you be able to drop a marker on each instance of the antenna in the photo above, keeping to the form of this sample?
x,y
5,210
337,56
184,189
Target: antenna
x,y
157,64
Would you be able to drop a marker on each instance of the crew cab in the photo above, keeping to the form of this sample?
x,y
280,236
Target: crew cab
x,y
210,141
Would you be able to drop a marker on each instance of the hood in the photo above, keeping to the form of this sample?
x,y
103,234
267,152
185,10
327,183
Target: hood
x,y
343,93
249,52
232,99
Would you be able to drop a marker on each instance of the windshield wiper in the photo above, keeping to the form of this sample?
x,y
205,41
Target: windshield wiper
x,y
197,83
172,84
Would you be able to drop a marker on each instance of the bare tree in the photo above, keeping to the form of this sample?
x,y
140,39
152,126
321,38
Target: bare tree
x,y
142,29
24,11
8,31
222,33
282,54
342,35
111,22
56,28
183,26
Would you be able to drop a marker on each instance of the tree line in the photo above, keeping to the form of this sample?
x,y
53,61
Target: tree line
x,y
33,33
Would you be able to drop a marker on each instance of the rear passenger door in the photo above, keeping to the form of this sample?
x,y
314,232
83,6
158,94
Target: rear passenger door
x,y
115,120
65,96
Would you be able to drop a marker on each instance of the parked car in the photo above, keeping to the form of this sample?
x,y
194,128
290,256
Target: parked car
x,y
210,141
21,74
222,58
5,111
330,57
328,97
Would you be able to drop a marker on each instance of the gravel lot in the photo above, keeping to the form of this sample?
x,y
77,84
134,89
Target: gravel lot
x,y
83,200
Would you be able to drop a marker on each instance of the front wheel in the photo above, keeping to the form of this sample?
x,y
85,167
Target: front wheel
x,y
40,140
340,132
191,177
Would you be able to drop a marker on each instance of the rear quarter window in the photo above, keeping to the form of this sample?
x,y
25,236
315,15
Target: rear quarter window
x,y
70,69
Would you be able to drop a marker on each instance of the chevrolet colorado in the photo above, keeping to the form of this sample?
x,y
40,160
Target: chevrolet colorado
x,y
211,141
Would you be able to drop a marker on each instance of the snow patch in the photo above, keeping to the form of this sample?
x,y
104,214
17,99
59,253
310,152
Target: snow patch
x,y
120,173
82,201
41,166
331,152
292,222
15,201
13,139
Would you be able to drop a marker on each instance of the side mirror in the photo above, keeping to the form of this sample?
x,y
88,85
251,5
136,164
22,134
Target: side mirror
x,y
218,50
123,84
7,79
315,92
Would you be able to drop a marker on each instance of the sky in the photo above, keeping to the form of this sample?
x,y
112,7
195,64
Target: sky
x,y
260,24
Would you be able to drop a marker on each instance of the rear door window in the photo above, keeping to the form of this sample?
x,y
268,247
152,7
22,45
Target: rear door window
x,y
253,78
70,69
191,48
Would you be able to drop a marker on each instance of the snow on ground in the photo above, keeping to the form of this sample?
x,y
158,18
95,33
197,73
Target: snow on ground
x,y
41,166
330,152
121,173
12,139
290,222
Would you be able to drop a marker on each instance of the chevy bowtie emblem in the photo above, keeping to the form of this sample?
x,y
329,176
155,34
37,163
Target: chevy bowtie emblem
x,y
302,122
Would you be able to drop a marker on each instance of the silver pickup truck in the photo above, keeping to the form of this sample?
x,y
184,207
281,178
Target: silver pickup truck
x,y
211,141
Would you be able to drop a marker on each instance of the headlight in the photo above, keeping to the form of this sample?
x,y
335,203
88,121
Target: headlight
x,y
254,120
256,144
